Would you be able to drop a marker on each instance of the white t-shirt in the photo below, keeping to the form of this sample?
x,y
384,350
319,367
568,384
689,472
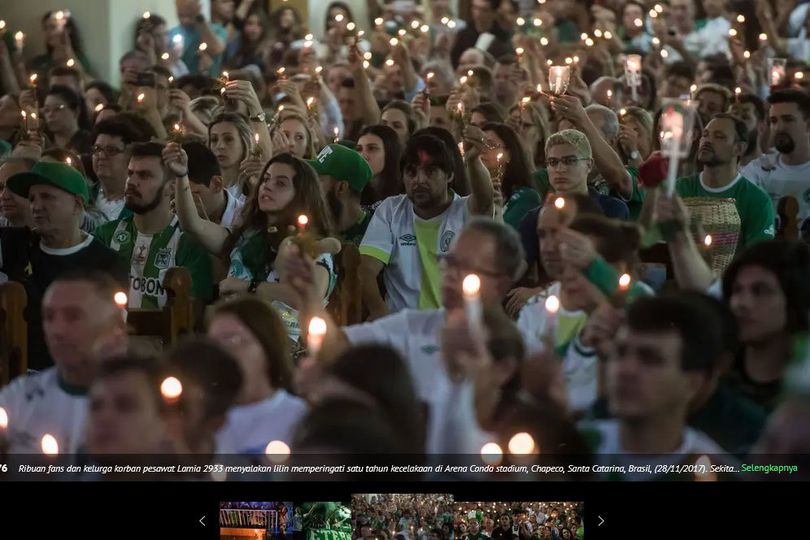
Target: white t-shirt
x,y
392,238
780,180
608,449
110,209
711,39
249,428
38,404
232,217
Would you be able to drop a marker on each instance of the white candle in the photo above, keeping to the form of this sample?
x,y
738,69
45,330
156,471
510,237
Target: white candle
x,y
337,134
121,300
632,70
558,77
19,40
521,444
672,132
171,389
471,288
552,307
315,335
49,444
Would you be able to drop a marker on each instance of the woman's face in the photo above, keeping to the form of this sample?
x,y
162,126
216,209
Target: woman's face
x,y
58,116
494,145
253,28
277,189
226,145
287,19
643,138
296,134
237,339
223,9
338,18
93,98
53,34
396,120
373,151
758,304
9,112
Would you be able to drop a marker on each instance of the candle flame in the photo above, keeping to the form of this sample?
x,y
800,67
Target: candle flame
x,y
71,62
3,418
339,17
521,444
389,62
763,36
164,57
171,388
552,304
430,75
624,281
68,161
463,79
520,21
351,26
707,240
203,47
33,78
608,35
519,51
393,42
49,444
277,451
732,32
256,138
379,21
146,14
741,18
639,23
303,221
120,299
141,97
559,203
317,327
746,54
471,285
491,453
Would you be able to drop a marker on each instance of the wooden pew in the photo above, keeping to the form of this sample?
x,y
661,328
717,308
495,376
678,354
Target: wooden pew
x,y
13,331
175,319
346,303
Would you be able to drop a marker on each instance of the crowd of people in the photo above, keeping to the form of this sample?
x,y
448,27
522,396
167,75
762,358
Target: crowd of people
x,y
409,234
401,516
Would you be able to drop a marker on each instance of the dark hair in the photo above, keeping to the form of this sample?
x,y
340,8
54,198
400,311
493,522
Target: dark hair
x,y
106,90
391,174
64,71
634,3
792,95
616,241
208,366
72,32
147,24
71,98
680,69
482,79
149,366
104,284
380,372
509,251
789,261
698,327
160,71
346,427
740,130
406,109
200,82
753,99
728,323
118,127
490,111
433,147
460,184
145,130
148,149
202,163
517,172
266,325
246,50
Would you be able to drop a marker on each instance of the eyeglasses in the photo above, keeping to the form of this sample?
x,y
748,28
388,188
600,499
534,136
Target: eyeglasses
x,y
109,151
58,108
568,161
451,262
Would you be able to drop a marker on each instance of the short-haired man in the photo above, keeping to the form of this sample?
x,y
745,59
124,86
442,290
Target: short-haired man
x,y
79,312
214,202
787,173
58,195
344,174
65,76
664,354
712,99
151,241
410,233
751,110
112,140
721,146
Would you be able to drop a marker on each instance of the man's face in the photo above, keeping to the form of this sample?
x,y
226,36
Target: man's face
x,y
474,528
748,114
396,120
347,99
439,117
645,378
74,319
145,187
504,86
66,80
682,11
469,59
567,178
426,184
110,158
759,305
473,253
13,207
209,197
124,417
503,521
788,127
709,104
53,209
483,15
718,145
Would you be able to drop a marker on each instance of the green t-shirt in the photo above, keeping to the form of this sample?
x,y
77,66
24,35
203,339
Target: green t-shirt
x,y
753,204
427,238
522,200
355,233
150,257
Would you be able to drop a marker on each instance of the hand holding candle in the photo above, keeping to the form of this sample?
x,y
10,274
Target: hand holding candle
x,y
171,389
316,332
558,79
471,288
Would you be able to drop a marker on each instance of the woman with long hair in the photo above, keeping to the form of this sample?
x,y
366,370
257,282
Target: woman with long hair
x,y
298,135
286,26
229,138
251,45
530,122
400,116
288,187
380,146
253,333
511,174
62,111
62,42
635,136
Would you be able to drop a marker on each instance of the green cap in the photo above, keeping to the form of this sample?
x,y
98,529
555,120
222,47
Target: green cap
x,y
343,164
58,175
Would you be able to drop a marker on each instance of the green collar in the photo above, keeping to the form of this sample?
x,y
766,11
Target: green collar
x,y
70,389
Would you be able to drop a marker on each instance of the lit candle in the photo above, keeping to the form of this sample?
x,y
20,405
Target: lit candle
x,y
461,149
310,103
747,55
471,289
519,53
608,35
414,24
121,300
49,445
524,101
552,307
146,14
256,151
69,161
33,80
70,62
3,420
558,77
281,73
165,57
707,241
25,119
639,23
351,26
337,134
302,222
491,453
424,29
339,17
741,18
632,70
277,451
624,282
19,41
462,80
521,444
2,27
544,41
393,42
171,389
203,47
559,203
732,32
141,97
379,21
763,37
316,331
672,131
177,41
777,71
389,62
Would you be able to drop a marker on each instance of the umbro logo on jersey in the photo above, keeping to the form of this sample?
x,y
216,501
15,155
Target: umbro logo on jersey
x,y
407,240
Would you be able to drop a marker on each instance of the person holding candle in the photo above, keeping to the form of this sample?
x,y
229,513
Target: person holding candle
x,y
61,114
79,312
296,130
530,122
230,139
483,22
195,30
252,44
62,41
633,32
751,109
252,331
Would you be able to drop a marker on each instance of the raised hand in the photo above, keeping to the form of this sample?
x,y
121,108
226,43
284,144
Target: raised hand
x,y
176,159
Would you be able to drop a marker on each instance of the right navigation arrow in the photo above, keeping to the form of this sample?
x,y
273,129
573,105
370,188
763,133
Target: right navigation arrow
x,y
601,520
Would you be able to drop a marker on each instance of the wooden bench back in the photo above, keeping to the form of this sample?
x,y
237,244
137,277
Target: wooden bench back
x,y
13,331
175,319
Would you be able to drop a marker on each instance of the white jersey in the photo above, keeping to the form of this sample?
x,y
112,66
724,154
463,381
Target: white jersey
x,y
41,403
249,428
780,180
399,239
232,217
109,208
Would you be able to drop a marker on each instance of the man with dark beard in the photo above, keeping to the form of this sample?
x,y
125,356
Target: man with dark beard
x,y
151,241
787,173
723,142
751,110
344,174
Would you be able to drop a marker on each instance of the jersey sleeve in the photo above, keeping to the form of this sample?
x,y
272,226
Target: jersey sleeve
x,y
526,200
391,330
378,241
759,216
192,256
104,232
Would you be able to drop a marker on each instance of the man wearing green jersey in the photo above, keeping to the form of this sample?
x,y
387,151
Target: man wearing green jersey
x,y
151,240
721,147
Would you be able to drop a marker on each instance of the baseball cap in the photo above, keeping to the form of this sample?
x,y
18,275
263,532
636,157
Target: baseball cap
x,y
58,175
343,164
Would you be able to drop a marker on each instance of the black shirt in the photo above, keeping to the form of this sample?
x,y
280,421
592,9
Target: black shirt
x,y
467,38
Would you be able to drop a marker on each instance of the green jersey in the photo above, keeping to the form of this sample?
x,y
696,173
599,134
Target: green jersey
x,y
150,257
753,204
518,205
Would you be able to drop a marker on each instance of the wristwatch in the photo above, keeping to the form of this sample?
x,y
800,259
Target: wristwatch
x,y
259,117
